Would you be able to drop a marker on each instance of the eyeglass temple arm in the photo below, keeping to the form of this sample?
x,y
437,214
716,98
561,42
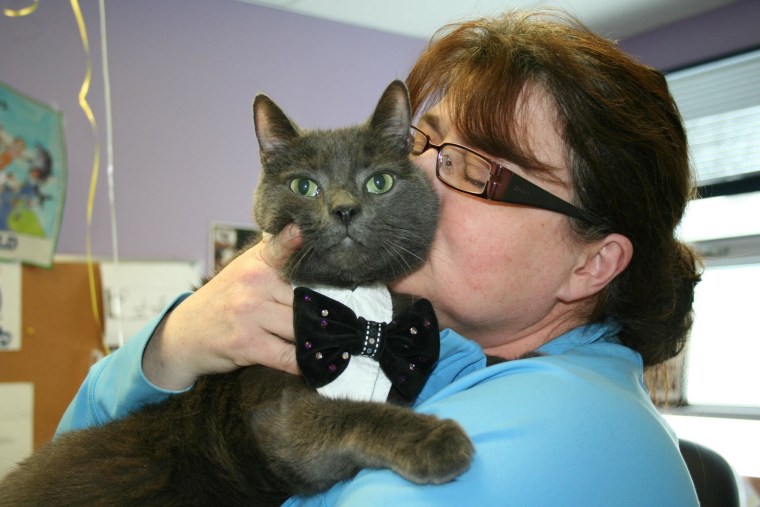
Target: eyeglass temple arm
x,y
517,190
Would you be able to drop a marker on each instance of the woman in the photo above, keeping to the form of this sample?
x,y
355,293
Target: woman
x,y
519,116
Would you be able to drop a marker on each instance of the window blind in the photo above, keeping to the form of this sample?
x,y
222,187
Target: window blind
x,y
720,105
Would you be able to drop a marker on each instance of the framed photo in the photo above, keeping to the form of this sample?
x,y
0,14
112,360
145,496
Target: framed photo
x,y
227,240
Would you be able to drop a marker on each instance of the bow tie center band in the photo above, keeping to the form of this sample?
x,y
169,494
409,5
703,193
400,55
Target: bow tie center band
x,y
328,334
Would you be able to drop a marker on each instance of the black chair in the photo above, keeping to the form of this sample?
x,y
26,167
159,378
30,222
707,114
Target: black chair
x,y
714,479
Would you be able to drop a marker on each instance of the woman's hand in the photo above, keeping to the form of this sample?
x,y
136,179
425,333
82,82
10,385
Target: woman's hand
x,y
242,316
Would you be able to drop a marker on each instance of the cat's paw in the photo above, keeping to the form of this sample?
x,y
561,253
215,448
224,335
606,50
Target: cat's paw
x,y
439,455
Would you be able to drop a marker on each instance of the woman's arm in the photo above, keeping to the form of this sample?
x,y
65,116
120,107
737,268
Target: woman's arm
x,y
116,385
242,316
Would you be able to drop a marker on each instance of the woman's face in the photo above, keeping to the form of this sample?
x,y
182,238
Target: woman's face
x,y
497,272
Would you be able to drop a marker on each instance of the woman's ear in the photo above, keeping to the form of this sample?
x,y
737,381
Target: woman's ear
x,y
599,263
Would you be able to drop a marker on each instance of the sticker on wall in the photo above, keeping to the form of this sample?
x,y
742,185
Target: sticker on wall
x,y
32,178
10,306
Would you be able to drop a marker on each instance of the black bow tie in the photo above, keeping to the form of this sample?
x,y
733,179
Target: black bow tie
x,y
328,333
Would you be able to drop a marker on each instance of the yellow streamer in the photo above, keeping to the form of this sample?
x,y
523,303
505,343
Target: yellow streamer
x,y
96,157
25,11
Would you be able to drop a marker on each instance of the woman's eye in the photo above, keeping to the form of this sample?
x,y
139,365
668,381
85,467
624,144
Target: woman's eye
x,y
304,187
380,183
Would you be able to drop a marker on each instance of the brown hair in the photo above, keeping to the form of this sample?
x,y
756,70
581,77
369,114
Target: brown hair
x,y
625,145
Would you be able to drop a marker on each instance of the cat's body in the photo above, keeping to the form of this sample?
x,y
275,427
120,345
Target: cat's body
x,y
256,436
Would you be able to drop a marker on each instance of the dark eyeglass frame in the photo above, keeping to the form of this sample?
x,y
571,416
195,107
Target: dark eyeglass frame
x,y
503,185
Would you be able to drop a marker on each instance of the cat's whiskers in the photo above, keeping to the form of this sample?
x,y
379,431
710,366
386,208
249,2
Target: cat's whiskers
x,y
299,257
399,254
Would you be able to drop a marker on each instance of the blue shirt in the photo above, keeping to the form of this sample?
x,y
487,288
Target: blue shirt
x,y
116,385
574,427
571,427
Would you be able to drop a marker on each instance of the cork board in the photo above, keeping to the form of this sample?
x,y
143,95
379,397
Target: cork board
x,y
60,340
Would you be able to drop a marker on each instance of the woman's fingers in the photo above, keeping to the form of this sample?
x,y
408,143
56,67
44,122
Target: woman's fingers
x,y
277,249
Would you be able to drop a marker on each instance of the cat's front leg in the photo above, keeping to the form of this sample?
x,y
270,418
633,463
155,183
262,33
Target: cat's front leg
x,y
314,442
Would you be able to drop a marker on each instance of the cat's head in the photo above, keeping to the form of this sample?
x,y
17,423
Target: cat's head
x,y
367,214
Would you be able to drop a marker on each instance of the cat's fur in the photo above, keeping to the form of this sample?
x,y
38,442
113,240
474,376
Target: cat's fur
x,y
256,436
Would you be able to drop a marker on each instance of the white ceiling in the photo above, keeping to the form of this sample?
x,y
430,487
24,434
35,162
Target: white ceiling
x,y
420,18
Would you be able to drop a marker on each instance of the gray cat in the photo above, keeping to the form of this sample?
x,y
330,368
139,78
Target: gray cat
x,y
257,436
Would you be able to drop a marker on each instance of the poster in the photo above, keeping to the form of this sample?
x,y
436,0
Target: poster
x,y
134,293
16,423
32,178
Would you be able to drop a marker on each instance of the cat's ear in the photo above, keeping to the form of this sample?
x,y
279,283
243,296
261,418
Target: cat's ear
x,y
273,128
393,115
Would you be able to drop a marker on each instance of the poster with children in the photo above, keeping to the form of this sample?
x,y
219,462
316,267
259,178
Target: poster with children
x,y
32,178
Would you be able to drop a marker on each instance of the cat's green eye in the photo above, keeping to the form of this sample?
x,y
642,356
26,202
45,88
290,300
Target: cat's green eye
x,y
380,183
304,187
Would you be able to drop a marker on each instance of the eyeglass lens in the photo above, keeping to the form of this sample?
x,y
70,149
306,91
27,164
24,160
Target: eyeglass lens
x,y
456,166
463,169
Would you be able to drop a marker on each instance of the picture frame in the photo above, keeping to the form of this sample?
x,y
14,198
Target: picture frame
x,y
226,240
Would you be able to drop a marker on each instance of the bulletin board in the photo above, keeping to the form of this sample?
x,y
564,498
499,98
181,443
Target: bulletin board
x,y
60,340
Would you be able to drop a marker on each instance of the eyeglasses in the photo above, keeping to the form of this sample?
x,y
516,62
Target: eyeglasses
x,y
470,172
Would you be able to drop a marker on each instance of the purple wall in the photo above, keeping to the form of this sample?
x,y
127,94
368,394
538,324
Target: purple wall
x,y
183,75
717,33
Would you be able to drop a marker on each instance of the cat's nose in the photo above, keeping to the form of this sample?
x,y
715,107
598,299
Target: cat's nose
x,y
346,214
